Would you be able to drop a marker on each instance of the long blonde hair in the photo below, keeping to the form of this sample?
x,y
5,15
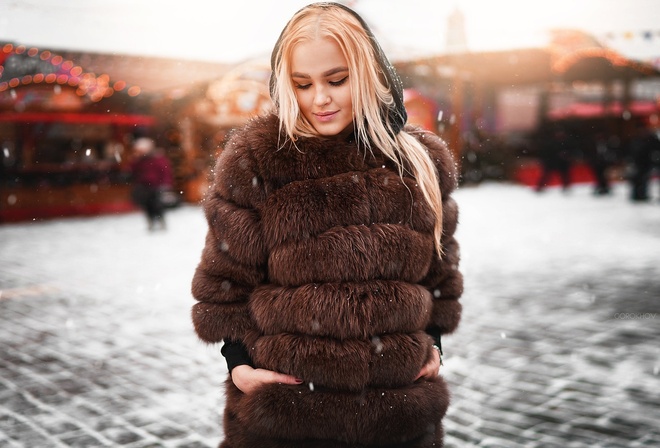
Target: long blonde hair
x,y
372,97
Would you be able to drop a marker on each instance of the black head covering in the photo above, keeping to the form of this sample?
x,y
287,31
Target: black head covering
x,y
397,112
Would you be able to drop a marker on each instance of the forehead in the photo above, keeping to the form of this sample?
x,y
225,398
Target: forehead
x,y
317,56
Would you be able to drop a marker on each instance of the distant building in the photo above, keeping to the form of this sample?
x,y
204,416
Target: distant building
x,y
456,37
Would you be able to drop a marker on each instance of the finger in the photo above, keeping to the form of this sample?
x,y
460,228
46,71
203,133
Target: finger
x,y
276,377
287,379
433,369
422,373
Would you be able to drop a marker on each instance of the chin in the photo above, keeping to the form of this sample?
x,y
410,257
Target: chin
x,y
334,130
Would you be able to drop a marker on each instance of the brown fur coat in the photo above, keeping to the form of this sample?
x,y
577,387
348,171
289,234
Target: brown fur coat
x,y
322,262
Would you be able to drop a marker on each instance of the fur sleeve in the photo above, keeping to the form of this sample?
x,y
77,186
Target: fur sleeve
x,y
444,280
234,258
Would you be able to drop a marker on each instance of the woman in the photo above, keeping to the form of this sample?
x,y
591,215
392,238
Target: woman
x,y
330,266
152,174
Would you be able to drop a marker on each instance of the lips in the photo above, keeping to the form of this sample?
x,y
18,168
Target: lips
x,y
325,116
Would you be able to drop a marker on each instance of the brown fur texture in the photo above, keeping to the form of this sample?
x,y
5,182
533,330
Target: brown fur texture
x,y
320,258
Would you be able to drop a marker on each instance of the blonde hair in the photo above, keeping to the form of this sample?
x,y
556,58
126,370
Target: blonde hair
x,y
371,96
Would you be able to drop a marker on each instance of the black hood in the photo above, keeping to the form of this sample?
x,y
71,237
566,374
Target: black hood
x,y
397,112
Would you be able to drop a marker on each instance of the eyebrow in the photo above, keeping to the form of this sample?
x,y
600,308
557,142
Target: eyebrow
x,y
330,72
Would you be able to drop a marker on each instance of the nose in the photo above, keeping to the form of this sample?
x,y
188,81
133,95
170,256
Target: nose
x,y
321,97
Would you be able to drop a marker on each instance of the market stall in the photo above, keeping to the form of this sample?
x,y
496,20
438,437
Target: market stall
x,y
65,135
205,116
494,103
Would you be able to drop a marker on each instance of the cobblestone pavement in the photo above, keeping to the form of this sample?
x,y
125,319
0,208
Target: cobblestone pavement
x,y
558,346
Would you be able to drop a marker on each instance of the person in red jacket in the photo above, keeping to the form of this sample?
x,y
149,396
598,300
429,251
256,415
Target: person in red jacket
x,y
151,175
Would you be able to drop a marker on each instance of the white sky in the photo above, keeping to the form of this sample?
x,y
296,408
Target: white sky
x,y
230,31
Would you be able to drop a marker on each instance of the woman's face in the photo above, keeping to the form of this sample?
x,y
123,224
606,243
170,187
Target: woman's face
x,y
319,73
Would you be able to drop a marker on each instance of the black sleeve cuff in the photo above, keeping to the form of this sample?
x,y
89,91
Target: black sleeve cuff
x,y
236,354
434,332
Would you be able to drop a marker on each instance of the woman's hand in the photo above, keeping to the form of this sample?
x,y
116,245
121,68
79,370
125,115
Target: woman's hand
x,y
432,368
247,378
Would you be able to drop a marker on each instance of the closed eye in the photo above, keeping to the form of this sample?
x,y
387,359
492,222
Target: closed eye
x,y
340,82
302,86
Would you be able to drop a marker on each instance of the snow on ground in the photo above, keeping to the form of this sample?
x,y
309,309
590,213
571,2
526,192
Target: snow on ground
x,y
546,275
514,243
511,230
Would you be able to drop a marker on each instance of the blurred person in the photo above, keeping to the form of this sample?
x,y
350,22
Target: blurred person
x,y
472,171
151,176
600,156
642,148
555,148
330,269
655,156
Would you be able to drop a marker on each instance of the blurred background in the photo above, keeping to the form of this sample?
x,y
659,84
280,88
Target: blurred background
x,y
537,94
550,108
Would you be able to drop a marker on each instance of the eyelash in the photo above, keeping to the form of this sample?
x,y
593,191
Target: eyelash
x,y
340,82
332,83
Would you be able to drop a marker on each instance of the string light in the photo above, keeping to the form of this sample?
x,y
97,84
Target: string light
x,y
88,84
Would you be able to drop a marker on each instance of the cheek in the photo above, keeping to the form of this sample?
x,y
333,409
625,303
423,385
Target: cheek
x,y
347,98
302,99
